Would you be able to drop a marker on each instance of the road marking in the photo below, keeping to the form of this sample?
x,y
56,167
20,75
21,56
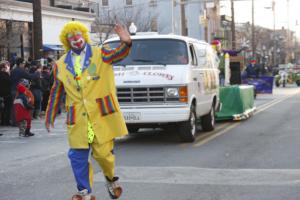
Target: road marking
x,y
12,142
261,108
202,136
206,134
207,176
272,103
211,137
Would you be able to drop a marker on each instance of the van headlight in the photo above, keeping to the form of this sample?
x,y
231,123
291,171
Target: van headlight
x,y
180,93
172,92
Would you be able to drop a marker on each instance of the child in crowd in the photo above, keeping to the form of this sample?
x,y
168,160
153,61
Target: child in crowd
x,y
22,108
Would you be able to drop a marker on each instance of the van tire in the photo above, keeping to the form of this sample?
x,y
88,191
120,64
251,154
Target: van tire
x,y
187,129
208,120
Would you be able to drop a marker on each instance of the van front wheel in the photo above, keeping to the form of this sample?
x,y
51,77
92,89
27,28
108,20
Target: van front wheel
x,y
187,129
132,129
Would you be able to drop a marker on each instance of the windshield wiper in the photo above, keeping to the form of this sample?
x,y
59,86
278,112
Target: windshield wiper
x,y
119,65
149,61
142,60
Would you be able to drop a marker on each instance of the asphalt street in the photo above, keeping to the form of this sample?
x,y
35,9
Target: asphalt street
x,y
253,159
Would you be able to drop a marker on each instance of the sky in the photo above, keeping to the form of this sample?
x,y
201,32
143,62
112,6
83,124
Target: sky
x,y
264,16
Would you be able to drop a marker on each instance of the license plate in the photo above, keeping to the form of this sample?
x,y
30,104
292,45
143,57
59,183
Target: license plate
x,y
132,116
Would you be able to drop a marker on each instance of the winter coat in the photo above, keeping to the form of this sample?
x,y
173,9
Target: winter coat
x,y
22,107
19,73
5,84
36,84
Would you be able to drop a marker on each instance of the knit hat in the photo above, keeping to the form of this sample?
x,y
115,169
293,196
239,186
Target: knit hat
x,y
21,88
24,82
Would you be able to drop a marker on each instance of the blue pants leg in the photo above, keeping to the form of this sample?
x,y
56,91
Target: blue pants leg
x,y
80,165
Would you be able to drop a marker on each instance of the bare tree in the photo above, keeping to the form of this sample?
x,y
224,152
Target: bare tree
x,y
104,24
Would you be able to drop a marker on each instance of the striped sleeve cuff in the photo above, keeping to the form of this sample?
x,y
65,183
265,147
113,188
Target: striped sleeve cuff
x,y
115,55
55,98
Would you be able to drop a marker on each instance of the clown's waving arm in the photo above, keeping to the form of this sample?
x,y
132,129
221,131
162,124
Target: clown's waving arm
x,y
55,98
117,54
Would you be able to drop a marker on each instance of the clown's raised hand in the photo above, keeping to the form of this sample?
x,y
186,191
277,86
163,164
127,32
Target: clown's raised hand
x,y
123,34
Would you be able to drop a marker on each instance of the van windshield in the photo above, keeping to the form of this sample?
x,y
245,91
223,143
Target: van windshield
x,y
155,52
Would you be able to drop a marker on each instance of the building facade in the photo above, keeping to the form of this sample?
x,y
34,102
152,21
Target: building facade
x,y
16,19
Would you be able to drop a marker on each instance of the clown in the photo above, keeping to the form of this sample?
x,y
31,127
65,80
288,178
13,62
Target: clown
x,y
94,118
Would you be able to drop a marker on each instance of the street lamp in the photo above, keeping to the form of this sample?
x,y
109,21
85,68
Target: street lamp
x,y
279,57
173,4
274,29
132,29
263,55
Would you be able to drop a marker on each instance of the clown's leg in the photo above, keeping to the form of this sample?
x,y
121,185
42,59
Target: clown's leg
x,y
83,172
103,154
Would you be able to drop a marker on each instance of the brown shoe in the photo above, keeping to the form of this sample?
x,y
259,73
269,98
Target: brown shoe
x,y
83,195
113,187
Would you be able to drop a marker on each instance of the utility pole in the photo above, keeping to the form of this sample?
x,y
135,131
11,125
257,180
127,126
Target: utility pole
x,y
206,22
253,33
173,3
52,3
183,20
233,26
37,30
288,32
274,33
8,25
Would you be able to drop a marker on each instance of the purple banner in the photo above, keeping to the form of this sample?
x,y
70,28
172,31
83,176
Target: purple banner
x,y
263,84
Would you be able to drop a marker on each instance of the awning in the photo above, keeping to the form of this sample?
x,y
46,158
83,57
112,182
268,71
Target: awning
x,y
52,47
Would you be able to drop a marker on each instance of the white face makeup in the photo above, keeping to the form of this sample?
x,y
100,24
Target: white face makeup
x,y
76,40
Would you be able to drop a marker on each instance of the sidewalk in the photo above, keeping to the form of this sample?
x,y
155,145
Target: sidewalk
x,y
37,127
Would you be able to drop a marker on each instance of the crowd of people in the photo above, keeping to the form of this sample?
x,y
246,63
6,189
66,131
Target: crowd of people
x,y
24,92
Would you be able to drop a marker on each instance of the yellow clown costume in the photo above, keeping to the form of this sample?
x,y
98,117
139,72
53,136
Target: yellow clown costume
x,y
93,116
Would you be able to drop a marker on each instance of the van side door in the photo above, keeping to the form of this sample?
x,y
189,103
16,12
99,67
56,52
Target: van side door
x,y
194,91
205,67
197,80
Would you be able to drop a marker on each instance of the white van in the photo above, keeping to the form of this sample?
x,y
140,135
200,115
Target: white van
x,y
168,81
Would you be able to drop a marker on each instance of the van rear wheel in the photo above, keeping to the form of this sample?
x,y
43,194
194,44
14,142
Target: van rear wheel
x,y
208,120
187,129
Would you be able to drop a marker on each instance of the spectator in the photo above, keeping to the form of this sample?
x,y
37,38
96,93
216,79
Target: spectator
x,y
31,68
36,90
5,87
51,63
45,87
252,69
17,74
22,109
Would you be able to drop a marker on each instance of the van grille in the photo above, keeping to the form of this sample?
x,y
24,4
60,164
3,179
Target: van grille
x,y
135,95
